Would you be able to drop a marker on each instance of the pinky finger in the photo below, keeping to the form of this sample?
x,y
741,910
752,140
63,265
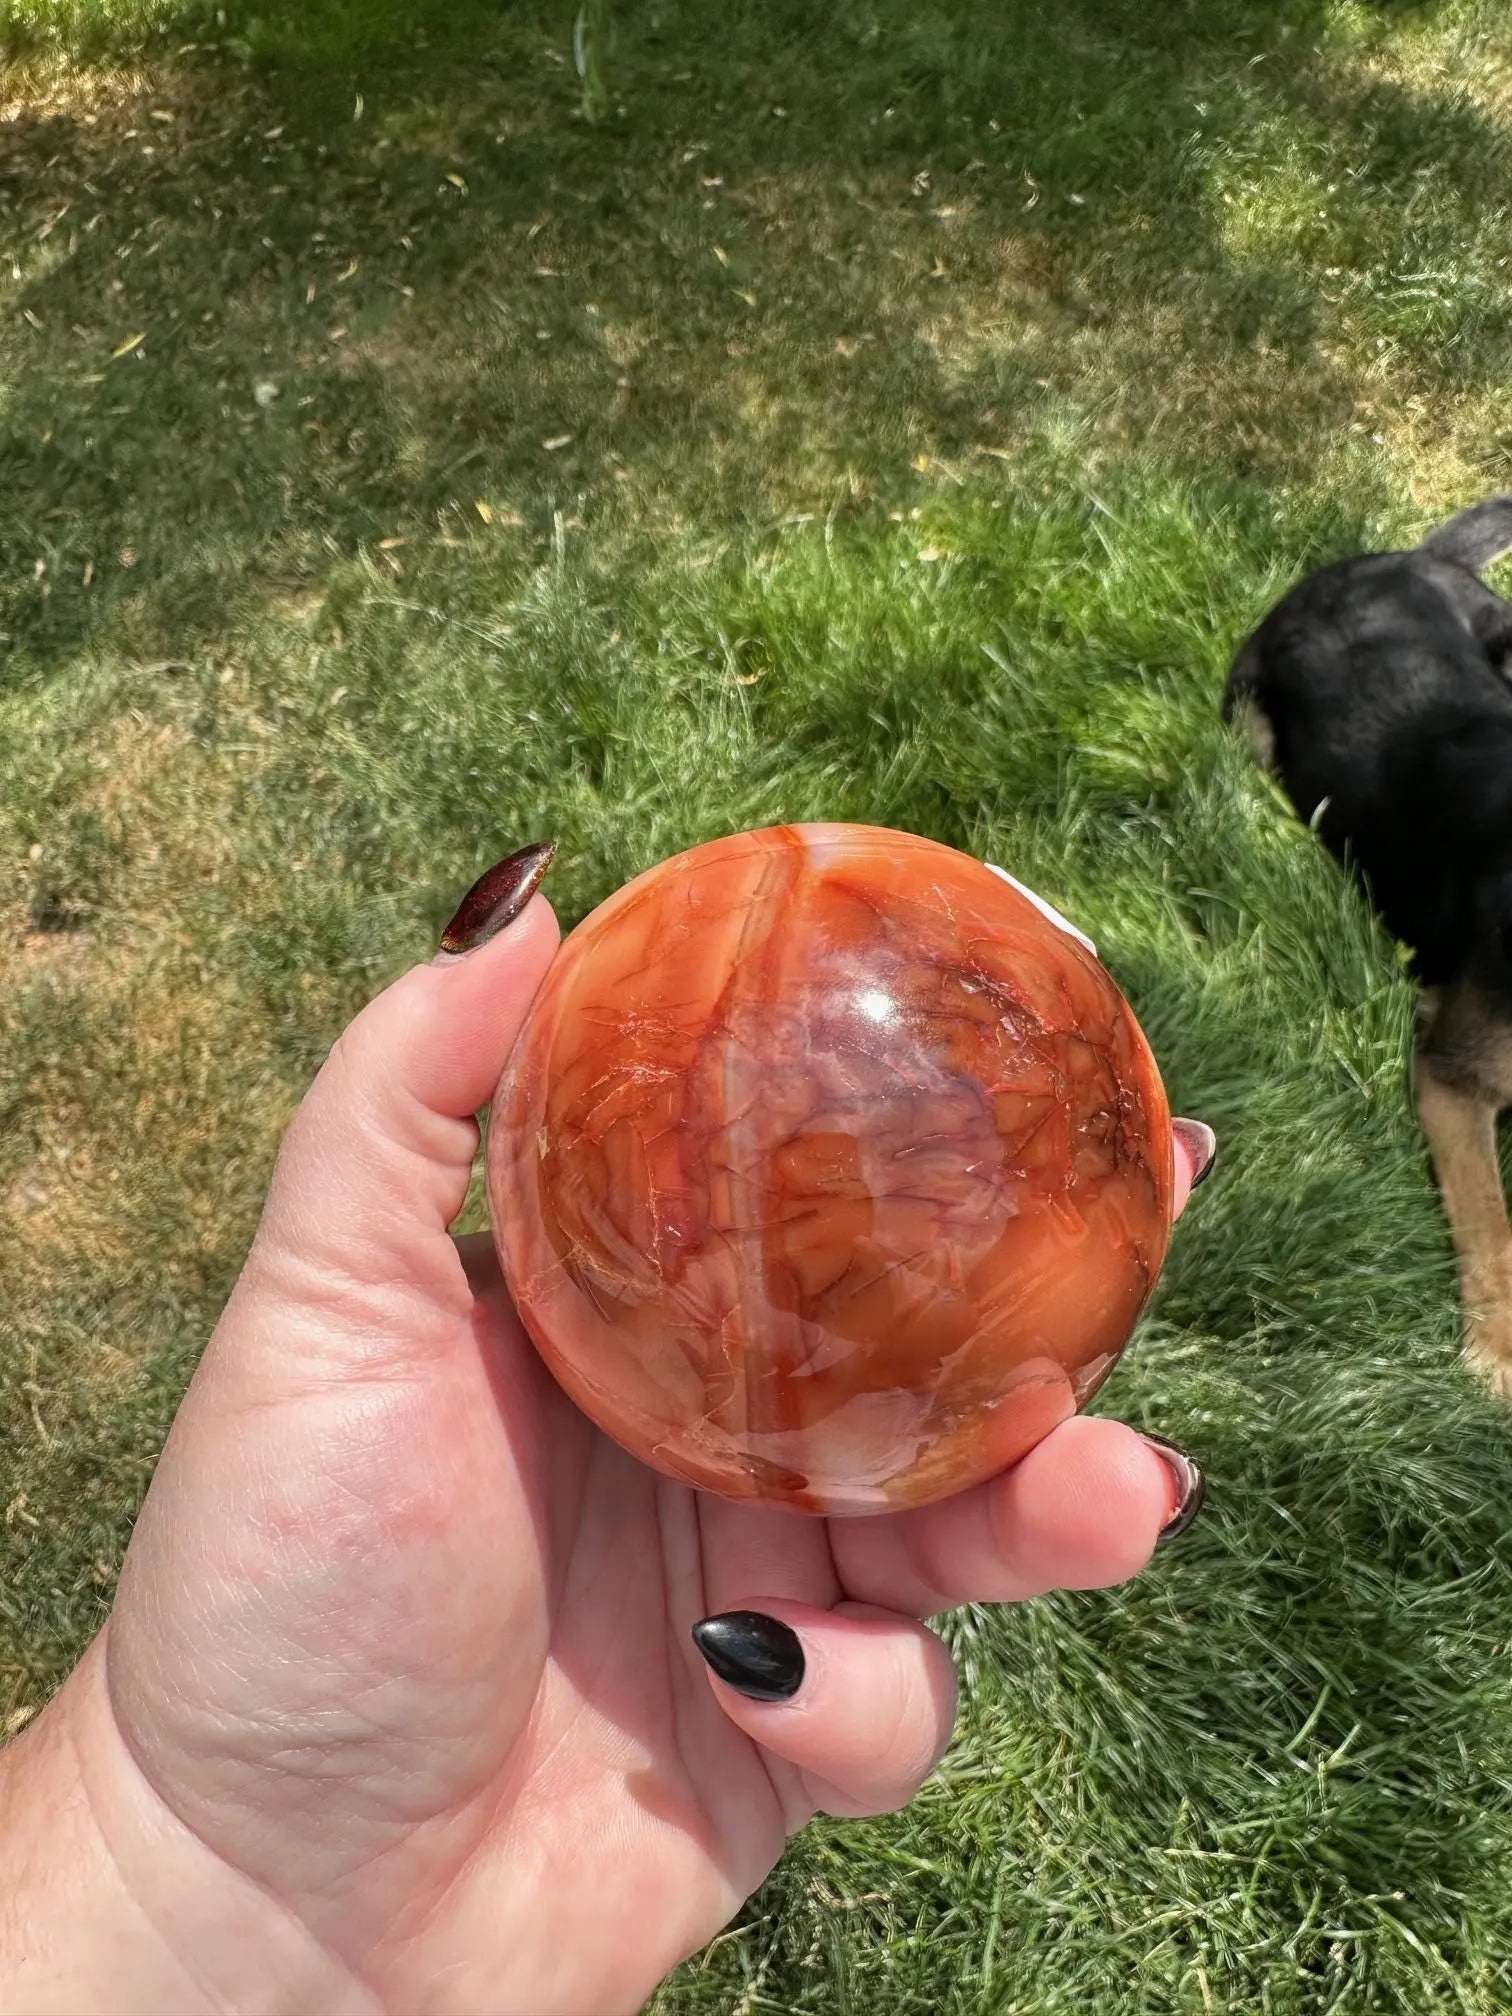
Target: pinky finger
x,y
858,1703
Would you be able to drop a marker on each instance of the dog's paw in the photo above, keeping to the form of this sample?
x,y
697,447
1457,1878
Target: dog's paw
x,y
1488,1353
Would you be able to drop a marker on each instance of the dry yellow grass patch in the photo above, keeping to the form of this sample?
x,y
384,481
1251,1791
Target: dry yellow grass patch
x,y
40,88
143,1062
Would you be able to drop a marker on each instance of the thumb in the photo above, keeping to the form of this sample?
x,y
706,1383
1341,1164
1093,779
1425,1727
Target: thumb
x,y
376,1163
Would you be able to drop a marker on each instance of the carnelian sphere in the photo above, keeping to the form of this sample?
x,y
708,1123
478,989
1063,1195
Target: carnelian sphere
x,y
827,1170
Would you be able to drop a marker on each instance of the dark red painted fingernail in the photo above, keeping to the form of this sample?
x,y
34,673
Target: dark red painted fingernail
x,y
1191,1485
757,1655
1201,1143
497,898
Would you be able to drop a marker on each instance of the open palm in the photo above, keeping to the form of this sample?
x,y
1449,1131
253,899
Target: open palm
x,y
405,1643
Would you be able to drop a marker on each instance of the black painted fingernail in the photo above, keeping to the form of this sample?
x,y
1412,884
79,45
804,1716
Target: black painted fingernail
x,y
497,898
1201,1144
1191,1485
753,1653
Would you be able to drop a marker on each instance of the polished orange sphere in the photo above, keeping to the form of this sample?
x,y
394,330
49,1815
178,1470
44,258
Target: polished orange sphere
x,y
828,1171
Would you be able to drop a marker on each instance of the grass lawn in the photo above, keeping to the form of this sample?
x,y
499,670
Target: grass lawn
x,y
416,440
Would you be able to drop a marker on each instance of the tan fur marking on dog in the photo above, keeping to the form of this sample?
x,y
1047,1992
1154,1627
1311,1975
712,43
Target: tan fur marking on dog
x,y
1461,1130
1254,725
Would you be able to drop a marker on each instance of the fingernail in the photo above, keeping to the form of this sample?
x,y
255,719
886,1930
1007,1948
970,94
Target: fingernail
x,y
1191,1485
1201,1143
753,1653
497,898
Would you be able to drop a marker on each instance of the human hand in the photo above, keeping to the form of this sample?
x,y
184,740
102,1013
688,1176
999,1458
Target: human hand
x,y
399,1707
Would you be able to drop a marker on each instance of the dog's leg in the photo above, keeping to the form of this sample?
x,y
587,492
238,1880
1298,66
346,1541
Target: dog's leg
x,y
1461,1130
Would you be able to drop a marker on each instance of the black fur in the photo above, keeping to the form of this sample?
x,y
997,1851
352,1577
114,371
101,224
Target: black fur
x,y
1384,684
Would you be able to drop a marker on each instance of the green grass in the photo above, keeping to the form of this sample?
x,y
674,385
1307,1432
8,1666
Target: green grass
x,y
891,411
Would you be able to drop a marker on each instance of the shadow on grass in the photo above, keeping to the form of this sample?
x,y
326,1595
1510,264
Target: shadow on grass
x,y
381,272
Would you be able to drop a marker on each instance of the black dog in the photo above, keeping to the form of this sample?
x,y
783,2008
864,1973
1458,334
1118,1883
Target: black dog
x,y
1379,691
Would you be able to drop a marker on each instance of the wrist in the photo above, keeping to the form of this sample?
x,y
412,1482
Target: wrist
x,y
107,1901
